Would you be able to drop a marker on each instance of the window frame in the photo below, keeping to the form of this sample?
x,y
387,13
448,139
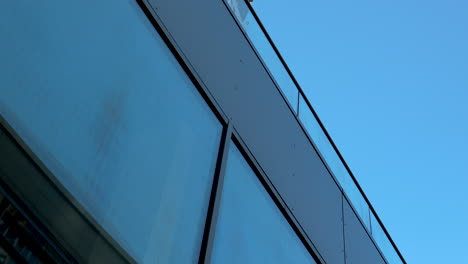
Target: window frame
x,y
231,136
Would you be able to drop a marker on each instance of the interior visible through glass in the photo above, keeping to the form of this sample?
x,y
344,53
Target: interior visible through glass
x,y
20,241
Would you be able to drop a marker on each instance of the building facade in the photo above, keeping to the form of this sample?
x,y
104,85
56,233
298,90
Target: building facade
x,y
166,131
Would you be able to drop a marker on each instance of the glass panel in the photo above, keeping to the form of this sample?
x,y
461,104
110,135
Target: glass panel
x,y
98,96
384,243
277,69
250,227
333,160
265,50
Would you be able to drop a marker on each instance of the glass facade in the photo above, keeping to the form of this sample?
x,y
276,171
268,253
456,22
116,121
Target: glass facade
x,y
101,100
250,227
284,79
265,50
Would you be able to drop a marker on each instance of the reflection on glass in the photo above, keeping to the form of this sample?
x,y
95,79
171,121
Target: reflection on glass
x,y
101,100
333,160
265,50
384,243
250,227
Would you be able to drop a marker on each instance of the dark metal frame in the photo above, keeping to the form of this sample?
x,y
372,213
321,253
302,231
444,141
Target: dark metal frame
x,y
215,198
342,217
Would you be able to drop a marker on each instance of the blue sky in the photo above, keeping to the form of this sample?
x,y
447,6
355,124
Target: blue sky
x,y
389,79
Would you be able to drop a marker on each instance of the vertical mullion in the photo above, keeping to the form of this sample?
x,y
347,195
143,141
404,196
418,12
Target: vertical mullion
x,y
343,220
298,102
213,207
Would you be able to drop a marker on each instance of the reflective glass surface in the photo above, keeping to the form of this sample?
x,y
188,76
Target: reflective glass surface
x,y
250,227
94,91
384,243
333,160
265,50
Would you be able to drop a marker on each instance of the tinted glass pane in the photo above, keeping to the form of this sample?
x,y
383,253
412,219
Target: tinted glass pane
x,y
250,227
94,91
265,50
333,160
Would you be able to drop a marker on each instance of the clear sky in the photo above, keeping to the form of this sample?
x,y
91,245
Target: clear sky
x,y
389,79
